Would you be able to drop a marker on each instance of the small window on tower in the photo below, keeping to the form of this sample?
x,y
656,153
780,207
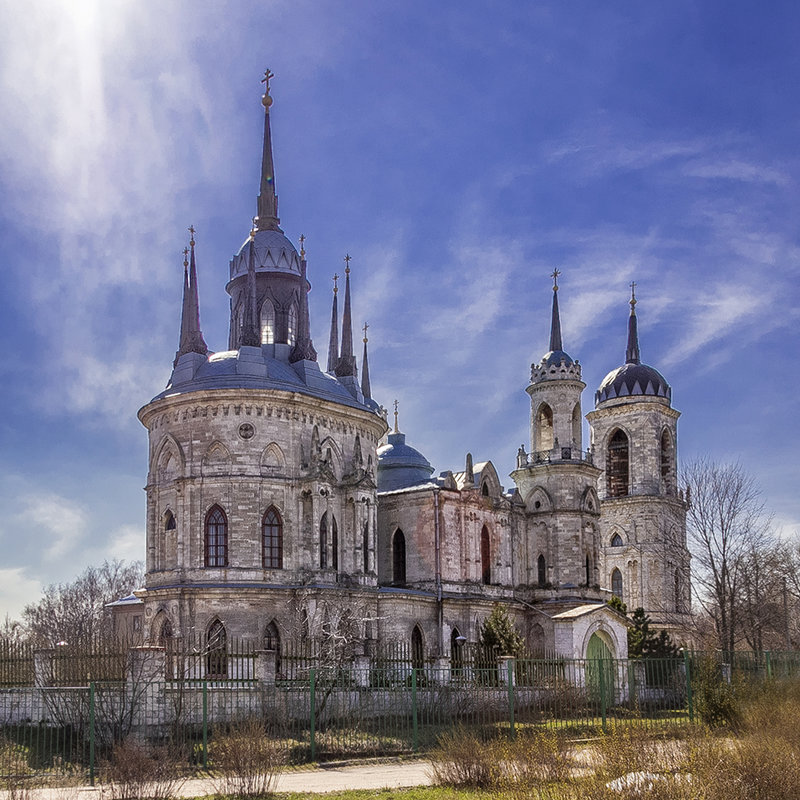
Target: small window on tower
x,y
267,322
291,325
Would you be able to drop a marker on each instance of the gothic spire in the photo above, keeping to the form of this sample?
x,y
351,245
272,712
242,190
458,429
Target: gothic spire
x,y
267,198
632,353
365,387
304,348
346,365
191,336
555,323
250,335
333,342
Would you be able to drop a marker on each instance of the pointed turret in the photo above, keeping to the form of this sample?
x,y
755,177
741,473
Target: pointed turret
x,y
555,322
267,198
632,352
333,342
365,387
304,347
191,336
346,366
251,334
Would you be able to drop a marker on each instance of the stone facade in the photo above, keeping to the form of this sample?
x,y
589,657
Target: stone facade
x,y
278,509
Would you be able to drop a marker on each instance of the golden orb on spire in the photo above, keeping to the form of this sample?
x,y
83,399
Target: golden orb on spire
x,y
266,100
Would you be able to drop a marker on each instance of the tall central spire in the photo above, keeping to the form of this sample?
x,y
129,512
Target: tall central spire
x,y
347,361
267,198
555,323
632,353
191,336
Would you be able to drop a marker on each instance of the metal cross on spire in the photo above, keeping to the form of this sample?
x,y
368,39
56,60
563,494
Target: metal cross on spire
x,y
554,275
396,429
365,332
335,282
347,260
192,232
302,245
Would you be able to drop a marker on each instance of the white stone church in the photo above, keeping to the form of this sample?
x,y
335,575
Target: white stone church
x,y
279,508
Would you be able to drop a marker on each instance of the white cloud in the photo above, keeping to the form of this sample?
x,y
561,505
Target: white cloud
x,y
58,523
16,591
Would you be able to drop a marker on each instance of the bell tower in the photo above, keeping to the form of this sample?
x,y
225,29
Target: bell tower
x,y
557,479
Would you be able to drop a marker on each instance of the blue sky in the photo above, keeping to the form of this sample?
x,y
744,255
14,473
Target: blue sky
x,y
459,151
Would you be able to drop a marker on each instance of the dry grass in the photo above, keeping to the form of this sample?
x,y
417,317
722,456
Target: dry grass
x,y
247,760
137,770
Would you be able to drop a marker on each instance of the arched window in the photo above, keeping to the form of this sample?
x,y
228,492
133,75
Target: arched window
x,y
486,556
541,570
666,461
616,583
398,558
577,423
267,322
169,521
334,543
365,546
616,540
272,641
544,428
456,650
617,479
272,539
485,489
323,541
678,593
217,651
417,649
588,570
291,325
216,539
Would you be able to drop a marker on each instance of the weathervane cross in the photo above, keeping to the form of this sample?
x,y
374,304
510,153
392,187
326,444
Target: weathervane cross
x,y
335,282
347,262
554,275
633,293
365,332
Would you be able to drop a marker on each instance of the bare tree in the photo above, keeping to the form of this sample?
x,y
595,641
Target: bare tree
x,y
728,528
76,611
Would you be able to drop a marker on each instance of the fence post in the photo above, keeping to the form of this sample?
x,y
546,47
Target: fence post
x,y
312,721
205,724
91,733
602,676
688,672
510,677
414,709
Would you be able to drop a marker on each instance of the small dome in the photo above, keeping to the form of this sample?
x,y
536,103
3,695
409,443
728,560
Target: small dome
x,y
555,357
273,253
633,380
400,465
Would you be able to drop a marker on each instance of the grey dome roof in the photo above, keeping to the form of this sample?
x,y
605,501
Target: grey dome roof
x,y
633,380
273,253
555,357
400,465
257,368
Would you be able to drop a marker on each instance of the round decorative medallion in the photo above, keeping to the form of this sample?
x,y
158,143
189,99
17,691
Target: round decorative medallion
x,y
247,431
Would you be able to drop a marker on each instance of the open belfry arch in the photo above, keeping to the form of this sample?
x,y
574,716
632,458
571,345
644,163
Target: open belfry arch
x,y
279,501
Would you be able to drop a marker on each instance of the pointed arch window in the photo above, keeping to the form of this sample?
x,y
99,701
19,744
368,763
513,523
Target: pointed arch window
x,y
272,641
678,592
616,540
616,583
267,322
399,558
486,556
169,521
216,538
666,461
577,423
328,542
544,429
417,648
541,570
456,651
291,325
272,539
217,651
617,465
588,570
365,547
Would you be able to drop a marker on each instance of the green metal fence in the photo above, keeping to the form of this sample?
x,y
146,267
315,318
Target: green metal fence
x,y
364,707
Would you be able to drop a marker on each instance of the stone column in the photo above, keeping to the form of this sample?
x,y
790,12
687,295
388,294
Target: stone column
x,y
43,667
265,667
503,668
440,669
361,670
145,685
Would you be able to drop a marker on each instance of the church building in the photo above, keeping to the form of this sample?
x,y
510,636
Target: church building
x,y
280,504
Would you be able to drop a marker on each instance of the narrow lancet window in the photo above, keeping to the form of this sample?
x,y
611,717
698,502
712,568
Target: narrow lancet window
x,y
216,538
617,476
486,556
267,322
272,540
398,558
